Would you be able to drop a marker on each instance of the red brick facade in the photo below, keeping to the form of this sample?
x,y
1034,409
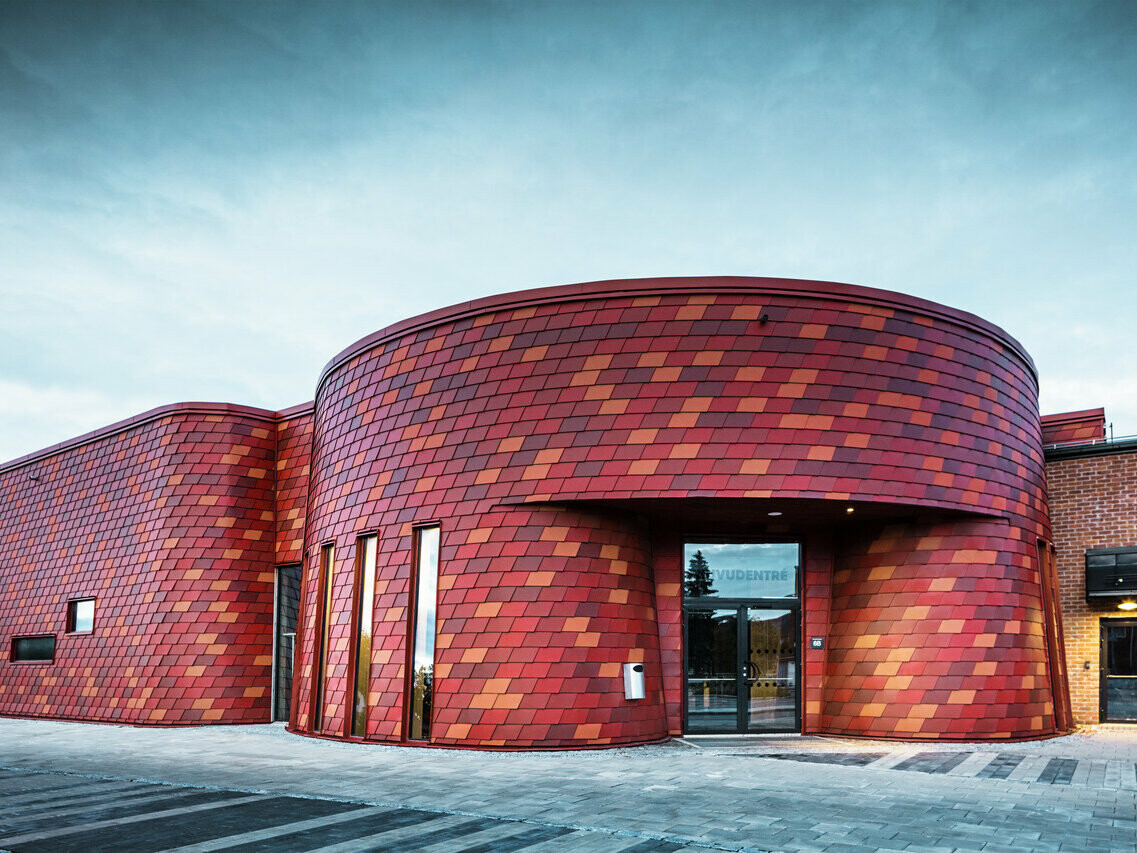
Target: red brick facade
x,y
567,442
1093,504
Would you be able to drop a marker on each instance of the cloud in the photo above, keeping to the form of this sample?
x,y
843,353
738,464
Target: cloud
x,y
39,416
1117,393
207,200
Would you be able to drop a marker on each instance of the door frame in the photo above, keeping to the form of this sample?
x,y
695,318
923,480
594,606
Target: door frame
x,y
276,636
1103,663
740,606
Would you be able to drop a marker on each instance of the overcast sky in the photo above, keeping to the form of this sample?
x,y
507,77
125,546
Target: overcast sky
x,y
207,200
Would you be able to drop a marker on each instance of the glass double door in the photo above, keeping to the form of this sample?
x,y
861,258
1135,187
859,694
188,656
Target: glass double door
x,y
741,669
1119,671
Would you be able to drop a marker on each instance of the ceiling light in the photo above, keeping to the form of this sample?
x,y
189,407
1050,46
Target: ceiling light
x,y
848,510
1127,605
774,513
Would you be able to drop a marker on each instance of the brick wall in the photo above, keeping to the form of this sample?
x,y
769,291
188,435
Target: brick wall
x,y
1093,504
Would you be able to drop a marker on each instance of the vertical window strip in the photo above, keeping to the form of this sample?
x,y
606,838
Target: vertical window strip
x,y
422,659
327,559
365,549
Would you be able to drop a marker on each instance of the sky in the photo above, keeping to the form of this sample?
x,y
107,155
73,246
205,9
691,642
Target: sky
x,y
208,200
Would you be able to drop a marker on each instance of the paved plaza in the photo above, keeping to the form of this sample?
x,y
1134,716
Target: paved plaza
x,y
74,786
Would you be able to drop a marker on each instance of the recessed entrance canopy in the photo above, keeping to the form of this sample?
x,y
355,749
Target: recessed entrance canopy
x,y
756,515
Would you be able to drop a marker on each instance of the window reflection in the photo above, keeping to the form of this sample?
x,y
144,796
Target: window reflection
x,y
770,660
33,649
422,660
327,558
741,634
740,570
366,580
712,670
287,606
81,616
1121,672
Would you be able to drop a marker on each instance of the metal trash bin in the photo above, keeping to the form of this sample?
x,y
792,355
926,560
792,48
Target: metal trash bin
x,y
634,681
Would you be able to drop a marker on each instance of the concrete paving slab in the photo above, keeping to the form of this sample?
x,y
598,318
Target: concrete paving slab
x,y
60,796
135,802
278,835
1029,769
56,836
972,764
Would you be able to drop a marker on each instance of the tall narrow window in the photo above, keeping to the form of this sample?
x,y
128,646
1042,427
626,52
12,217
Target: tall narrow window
x,y
365,578
422,654
323,625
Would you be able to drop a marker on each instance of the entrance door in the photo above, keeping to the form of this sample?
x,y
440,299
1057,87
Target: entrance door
x,y
1119,671
284,637
741,628
770,653
712,671
741,669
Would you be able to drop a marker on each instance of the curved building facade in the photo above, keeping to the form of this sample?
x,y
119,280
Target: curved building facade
x,y
581,516
861,472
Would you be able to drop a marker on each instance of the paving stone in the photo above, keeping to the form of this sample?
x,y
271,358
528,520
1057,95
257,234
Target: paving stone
x,y
860,759
1001,766
1058,771
950,798
932,762
46,815
1029,769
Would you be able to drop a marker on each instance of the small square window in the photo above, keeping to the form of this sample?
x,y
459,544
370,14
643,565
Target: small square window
x,y
35,649
81,616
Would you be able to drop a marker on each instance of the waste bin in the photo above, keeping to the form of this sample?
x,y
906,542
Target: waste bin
x,y
634,681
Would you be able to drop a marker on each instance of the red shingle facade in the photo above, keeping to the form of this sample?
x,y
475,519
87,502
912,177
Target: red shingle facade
x,y
1085,427
293,450
167,522
567,442
504,419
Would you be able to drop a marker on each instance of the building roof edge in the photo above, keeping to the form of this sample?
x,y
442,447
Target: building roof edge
x,y
168,410
675,284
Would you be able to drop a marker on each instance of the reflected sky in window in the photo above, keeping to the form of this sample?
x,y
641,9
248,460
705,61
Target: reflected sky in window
x,y
740,569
